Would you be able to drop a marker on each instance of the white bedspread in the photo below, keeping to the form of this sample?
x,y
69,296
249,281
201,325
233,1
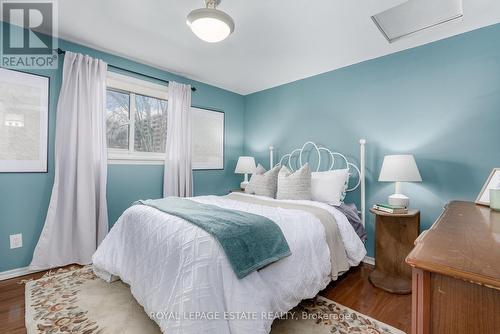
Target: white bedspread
x,y
180,275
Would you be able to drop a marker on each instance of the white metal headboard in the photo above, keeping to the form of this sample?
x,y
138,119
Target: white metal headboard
x,y
319,149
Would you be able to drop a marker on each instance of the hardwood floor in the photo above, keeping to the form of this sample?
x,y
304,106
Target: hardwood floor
x,y
355,291
12,304
352,290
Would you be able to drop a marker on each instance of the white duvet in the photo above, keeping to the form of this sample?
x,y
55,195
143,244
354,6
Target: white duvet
x,y
182,278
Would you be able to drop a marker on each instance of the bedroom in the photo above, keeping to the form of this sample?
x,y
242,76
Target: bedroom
x,y
391,103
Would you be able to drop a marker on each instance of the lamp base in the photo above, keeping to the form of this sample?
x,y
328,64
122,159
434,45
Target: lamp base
x,y
399,200
244,184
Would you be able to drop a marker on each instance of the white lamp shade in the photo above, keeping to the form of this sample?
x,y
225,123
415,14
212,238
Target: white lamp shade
x,y
399,168
245,165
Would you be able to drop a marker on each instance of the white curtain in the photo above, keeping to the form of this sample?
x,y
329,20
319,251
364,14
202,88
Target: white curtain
x,y
178,174
77,218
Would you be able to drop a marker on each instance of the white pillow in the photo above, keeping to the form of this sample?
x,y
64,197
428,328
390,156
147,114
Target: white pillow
x,y
330,186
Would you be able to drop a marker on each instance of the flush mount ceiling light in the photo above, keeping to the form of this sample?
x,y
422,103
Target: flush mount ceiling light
x,y
210,24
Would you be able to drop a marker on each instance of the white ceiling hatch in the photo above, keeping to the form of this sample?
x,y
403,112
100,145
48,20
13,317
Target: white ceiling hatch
x,y
274,41
414,16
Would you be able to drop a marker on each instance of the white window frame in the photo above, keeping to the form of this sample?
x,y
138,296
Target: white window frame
x,y
133,86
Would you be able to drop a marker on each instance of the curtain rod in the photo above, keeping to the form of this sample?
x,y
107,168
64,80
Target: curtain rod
x,y
61,52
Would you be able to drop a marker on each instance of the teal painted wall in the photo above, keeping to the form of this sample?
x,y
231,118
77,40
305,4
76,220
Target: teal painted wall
x,y
440,102
24,197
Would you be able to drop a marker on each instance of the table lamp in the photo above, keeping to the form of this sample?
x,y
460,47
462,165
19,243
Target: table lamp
x,y
245,165
399,168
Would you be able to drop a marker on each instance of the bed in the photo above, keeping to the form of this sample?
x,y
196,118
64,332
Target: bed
x,y
181,276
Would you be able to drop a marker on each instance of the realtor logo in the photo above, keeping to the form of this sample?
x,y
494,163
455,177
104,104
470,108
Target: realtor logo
x,y
28,34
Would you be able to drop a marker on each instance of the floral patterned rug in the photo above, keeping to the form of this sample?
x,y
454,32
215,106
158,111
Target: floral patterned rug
x,y
76,301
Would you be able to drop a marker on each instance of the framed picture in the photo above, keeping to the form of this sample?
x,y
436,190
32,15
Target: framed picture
x,y
493,182
24,114
208,138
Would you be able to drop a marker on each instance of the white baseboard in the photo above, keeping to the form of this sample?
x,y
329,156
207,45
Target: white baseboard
x,y
369,260
16,273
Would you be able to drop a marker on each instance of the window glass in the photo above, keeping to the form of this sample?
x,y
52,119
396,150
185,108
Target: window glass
x,y
117,119
150,133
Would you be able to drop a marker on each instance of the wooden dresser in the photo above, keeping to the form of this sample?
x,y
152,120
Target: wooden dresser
x,y
456,272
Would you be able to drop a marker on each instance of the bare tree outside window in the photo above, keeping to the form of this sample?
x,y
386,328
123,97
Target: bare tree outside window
x,y
150,124
137,125
145,116
117,120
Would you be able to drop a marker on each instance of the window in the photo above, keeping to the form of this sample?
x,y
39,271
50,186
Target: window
x,y
136,123
117,120
136,120
150,124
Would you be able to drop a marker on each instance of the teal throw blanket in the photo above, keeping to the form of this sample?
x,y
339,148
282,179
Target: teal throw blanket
x,y
250,241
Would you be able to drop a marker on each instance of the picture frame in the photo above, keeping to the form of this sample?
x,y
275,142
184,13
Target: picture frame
x,y
24,127
208,138
492,182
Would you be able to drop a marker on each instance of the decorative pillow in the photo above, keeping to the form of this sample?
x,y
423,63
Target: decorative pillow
x,y
295,185
259,170
263,184
330,186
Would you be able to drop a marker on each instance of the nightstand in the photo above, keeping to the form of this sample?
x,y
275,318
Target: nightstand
x,y
395,235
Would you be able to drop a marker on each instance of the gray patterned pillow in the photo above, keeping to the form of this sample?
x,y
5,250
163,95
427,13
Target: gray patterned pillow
x,y
259,170
264,184
295,185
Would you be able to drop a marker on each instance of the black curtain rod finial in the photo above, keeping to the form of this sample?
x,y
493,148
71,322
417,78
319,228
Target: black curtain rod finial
x,y
61,52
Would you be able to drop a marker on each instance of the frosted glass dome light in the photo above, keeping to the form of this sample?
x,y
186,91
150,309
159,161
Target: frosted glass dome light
x,y
210,24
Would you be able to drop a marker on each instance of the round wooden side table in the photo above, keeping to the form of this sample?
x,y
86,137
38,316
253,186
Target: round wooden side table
x,y
395,235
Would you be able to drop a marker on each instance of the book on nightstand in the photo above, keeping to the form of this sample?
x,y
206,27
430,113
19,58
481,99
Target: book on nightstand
x,y
390,208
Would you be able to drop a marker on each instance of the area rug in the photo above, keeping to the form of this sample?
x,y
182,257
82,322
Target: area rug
x,y
76,301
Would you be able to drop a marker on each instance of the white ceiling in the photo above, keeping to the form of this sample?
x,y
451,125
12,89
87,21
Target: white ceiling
x,y
275,41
